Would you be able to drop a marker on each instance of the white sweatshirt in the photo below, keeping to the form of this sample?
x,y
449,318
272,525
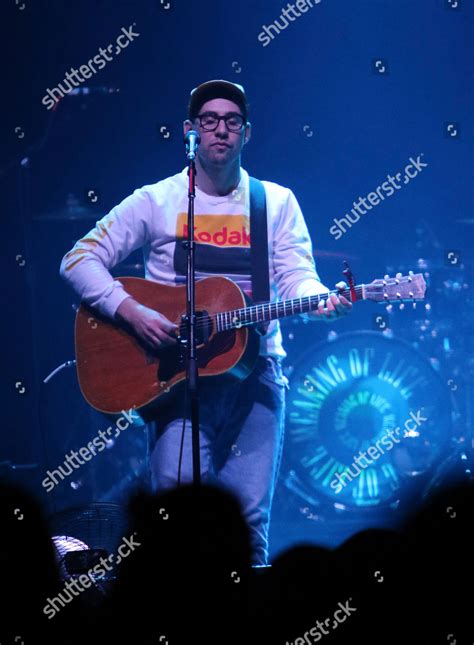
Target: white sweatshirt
x,y
155,218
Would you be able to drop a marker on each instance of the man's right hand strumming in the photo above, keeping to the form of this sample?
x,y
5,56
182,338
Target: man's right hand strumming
x,y
149,325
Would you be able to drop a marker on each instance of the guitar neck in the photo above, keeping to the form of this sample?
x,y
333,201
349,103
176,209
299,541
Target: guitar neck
x,y
267,311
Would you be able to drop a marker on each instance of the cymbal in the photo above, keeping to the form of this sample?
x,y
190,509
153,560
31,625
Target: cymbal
x,y
334,254
69,214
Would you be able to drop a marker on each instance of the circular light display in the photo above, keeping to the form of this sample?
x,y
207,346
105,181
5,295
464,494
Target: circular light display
x,y
366,414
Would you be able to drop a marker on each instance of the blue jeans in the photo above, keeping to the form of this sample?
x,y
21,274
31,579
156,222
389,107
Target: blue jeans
x,y
241,441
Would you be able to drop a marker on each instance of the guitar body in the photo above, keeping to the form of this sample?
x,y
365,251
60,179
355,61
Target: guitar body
x,y
117,372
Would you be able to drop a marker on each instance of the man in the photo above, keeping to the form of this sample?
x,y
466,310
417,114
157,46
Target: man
x,y
241,425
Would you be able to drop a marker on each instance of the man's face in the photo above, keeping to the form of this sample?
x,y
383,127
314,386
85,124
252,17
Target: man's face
x,y
220,146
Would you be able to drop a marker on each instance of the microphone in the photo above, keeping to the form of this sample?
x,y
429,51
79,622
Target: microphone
x,y
84,90
192,140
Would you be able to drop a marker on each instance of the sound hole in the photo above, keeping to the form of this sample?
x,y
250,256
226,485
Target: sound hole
x,y
172,358
204,328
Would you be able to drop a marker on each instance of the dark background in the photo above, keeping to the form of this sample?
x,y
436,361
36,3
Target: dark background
x,y
325,122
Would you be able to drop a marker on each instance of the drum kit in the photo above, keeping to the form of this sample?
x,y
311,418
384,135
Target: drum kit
x,y
121,470
377,420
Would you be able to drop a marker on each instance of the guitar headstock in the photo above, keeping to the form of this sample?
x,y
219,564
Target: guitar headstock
x,y
401,288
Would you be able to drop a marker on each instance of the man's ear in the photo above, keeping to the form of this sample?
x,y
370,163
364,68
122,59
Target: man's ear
x,y
187,126
248,132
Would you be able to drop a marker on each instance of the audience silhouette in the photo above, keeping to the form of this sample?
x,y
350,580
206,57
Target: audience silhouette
x,y
189,579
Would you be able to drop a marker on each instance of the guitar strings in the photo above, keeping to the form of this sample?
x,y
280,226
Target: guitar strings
x,y
201,323
204,322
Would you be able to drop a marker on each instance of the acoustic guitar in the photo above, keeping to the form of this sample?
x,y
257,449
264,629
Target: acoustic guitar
x,y
116,371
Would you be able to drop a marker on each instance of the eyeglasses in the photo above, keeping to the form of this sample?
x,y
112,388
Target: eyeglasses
x,y
209,121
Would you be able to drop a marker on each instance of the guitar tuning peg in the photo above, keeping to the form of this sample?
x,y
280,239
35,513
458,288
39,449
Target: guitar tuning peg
x,y
410,273
414,305
398,276
410,294
389,309
384,282
397,281
385,295
399,295
401,305
386,277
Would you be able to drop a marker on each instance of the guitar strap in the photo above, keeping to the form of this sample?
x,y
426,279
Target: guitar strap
x,y
259,242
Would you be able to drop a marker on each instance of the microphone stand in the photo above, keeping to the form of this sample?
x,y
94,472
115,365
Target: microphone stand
x,y
192,374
